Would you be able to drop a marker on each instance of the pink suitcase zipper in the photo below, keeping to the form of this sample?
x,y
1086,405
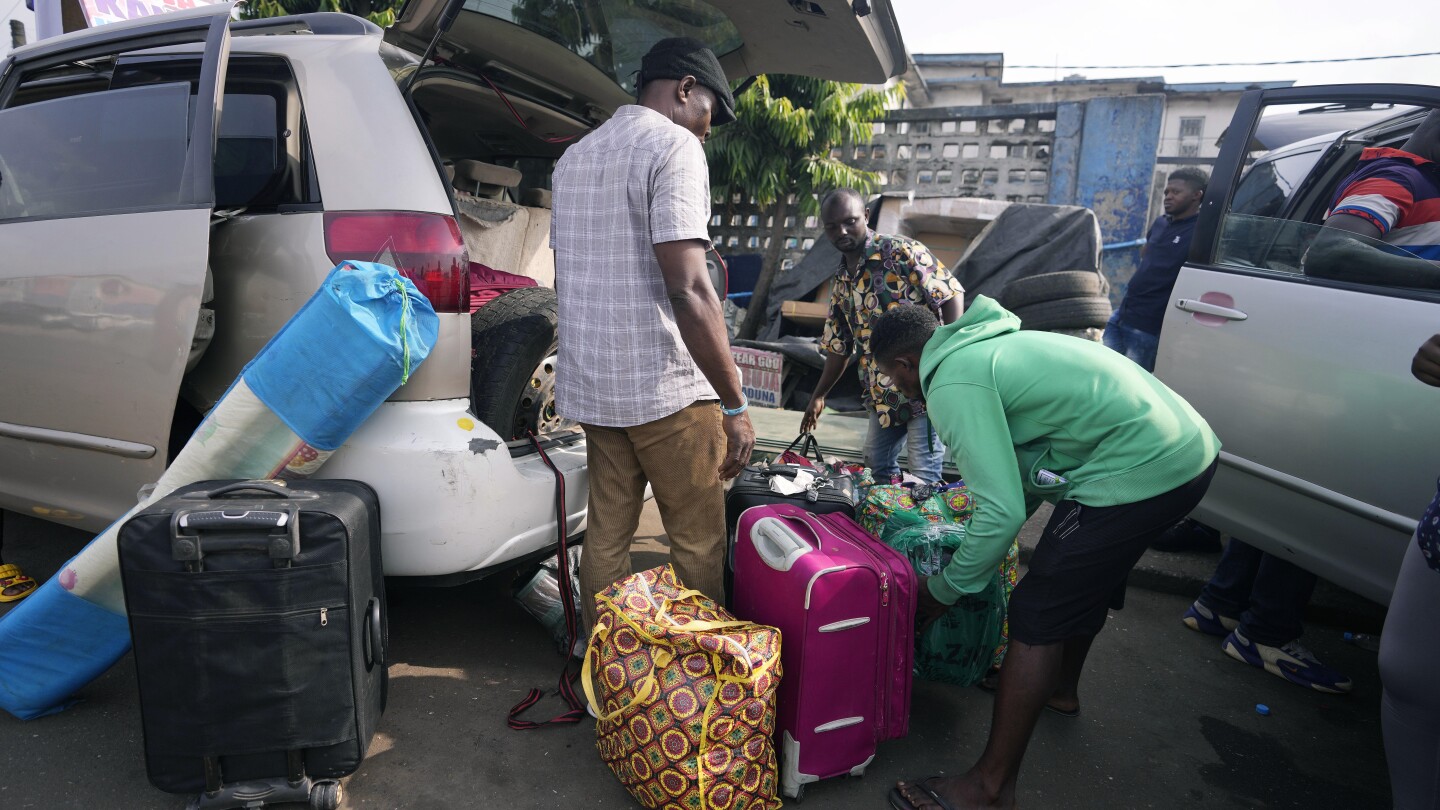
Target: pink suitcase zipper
x,y
845,606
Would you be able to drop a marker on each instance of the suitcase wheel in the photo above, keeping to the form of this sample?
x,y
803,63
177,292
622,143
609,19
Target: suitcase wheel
x,y
325,796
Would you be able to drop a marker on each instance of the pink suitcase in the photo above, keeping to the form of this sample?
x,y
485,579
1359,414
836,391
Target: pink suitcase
x,y
845,606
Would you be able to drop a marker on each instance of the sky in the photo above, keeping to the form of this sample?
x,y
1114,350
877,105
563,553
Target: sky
x,y
1128,32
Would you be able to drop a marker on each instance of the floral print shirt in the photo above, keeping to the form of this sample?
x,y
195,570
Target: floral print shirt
x,y
896,270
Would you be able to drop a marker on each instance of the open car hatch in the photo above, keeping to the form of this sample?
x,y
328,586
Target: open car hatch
x,y
583,55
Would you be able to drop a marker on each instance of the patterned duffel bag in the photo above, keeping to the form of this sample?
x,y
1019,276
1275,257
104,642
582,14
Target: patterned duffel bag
x,y
685,696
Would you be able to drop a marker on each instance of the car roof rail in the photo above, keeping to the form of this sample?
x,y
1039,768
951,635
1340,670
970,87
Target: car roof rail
x,y
319,22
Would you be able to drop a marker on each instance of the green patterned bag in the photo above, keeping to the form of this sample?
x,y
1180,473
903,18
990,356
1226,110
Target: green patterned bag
x,y
879,502
883,500
959,647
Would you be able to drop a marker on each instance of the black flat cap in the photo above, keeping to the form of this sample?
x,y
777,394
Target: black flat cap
x,y
678,57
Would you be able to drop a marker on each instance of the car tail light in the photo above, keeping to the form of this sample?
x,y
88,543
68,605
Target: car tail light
x,y
425,248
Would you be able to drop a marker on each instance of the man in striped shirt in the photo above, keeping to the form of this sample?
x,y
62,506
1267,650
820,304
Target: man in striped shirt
x,y
1393,196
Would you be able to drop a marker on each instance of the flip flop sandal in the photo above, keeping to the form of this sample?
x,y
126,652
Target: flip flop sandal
x,y
10,576
899,802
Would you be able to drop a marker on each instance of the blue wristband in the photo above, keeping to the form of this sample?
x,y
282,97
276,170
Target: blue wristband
x,y
744,406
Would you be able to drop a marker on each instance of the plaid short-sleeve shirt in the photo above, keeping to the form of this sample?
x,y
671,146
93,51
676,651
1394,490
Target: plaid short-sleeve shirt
x,y
896,270
636,181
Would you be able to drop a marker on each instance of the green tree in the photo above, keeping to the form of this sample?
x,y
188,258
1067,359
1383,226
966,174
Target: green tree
x,y
779,144
380,12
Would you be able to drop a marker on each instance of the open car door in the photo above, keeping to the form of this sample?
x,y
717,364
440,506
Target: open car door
x,y
1304,371
106,194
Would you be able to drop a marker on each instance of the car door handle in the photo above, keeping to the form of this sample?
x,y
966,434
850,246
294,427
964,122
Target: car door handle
x,y
1198,306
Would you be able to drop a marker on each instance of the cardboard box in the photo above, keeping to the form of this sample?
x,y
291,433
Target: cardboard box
x,y
947,247
810,312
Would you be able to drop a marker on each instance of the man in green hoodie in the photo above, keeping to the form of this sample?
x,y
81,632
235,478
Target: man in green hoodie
x,y
1034,416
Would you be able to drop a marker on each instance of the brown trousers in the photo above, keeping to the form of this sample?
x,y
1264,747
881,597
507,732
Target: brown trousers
x,y
680,456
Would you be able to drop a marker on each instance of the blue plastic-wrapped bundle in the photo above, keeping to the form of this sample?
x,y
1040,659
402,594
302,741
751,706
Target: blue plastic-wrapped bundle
x,y
356,341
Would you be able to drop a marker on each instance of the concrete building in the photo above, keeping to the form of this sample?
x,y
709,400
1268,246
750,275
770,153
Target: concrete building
x,y
1193,115
17,27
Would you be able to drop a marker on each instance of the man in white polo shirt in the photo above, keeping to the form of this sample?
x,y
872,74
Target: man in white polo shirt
x,y
644,361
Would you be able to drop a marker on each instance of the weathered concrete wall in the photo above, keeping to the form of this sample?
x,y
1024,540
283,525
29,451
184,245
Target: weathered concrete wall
x,y
996,152
1065,163
1113,168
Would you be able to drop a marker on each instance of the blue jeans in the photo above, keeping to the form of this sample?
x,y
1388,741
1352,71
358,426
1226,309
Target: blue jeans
x,y
882,449
1267,594
1131,342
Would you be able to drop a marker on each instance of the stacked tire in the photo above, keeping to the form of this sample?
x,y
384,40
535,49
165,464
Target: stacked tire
x,y
1073,302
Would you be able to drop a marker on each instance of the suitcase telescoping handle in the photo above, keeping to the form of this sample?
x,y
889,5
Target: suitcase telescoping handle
x,y
777,543
275,532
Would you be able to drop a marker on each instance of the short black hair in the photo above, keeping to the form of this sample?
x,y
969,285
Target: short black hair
x,y
904,329
1195,178
838,194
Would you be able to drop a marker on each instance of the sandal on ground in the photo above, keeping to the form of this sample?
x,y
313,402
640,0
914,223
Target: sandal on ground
x,y
11,577
899,802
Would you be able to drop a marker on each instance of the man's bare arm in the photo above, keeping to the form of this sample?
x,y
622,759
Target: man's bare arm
x,y
702,327
1335,255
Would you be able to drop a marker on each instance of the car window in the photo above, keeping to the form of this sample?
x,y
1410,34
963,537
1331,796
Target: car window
x,y
1307,249
248,150
613,35
259,152
113,137
1266,187
94,153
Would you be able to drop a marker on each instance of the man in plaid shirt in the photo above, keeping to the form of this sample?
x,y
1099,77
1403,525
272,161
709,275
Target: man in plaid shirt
x,y
644,362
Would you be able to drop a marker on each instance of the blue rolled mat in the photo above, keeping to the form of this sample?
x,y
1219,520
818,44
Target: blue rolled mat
x,y
43,668
356,341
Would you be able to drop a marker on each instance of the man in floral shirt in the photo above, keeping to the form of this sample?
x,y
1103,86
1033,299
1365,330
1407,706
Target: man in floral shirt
x,y
877,272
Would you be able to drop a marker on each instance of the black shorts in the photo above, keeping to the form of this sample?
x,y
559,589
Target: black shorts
x,y
1079,567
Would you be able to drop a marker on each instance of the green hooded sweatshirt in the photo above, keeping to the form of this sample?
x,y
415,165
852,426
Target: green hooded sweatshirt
x,y
1033,416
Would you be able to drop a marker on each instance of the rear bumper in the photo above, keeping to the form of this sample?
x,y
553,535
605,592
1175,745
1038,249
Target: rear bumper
x,y
452,498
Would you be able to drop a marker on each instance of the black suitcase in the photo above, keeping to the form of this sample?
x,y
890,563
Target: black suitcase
x,y
832,493
257,613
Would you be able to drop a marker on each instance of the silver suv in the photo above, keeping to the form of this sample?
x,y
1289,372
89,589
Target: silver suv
x,y
172,189
1331,447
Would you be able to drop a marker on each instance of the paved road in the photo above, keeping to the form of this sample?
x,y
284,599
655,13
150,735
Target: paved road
x,y
1168,722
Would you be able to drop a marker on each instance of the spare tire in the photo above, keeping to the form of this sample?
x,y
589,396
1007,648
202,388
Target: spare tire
x,y
512,368
1023,292
1070,313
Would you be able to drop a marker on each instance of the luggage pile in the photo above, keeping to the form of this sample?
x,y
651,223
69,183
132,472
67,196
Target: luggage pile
x,y
675,680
